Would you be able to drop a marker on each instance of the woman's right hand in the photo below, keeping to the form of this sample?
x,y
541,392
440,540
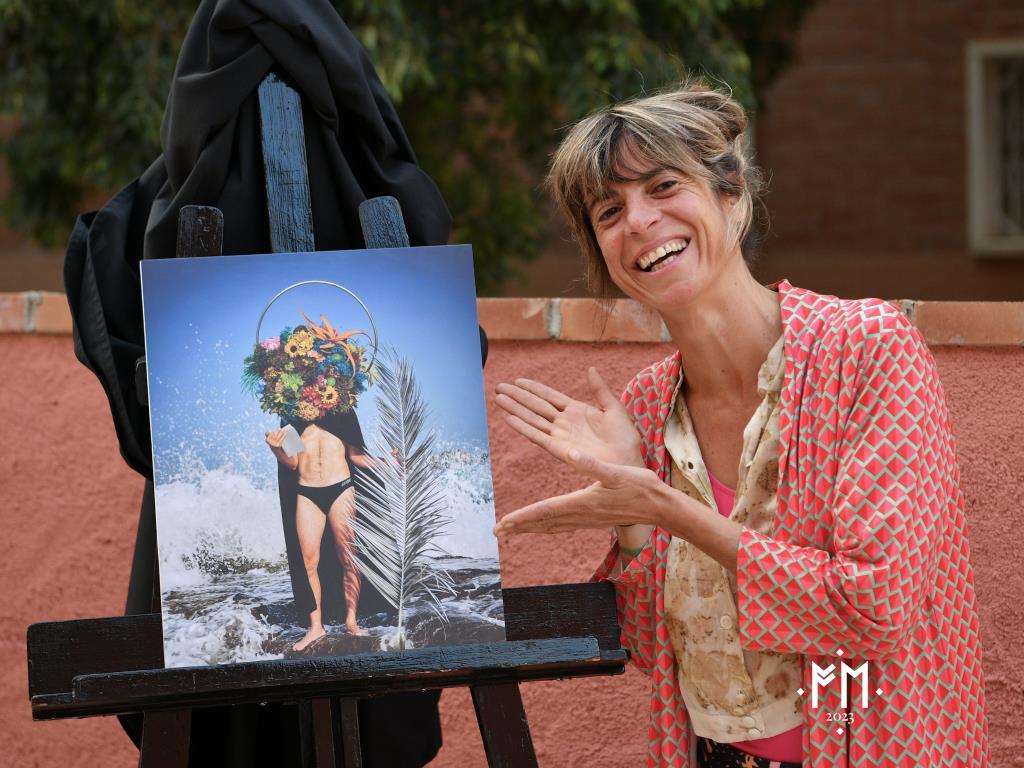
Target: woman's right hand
x,y
275,439
558,423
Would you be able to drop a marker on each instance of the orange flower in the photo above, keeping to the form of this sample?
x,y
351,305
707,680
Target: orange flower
x,y
331,337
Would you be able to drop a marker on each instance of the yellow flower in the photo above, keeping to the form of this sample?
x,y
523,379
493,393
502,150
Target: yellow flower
x,y
292,348
303,341
308,411
329,395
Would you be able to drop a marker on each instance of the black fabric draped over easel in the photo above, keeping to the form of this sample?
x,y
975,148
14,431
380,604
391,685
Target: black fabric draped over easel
x,y
355,149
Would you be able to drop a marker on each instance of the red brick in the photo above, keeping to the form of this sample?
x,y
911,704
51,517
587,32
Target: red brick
x,y
514,318
971,323
50,313
583,320
12,312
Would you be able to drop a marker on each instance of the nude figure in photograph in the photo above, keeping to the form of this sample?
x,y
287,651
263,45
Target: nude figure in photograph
x,y
326,501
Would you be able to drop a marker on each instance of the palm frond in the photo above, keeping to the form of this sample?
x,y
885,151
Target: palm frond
x,y
401,507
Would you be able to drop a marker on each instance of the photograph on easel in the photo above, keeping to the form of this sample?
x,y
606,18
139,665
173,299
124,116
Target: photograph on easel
x,y
321,462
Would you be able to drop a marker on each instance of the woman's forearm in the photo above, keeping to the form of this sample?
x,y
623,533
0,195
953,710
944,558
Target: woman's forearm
x,y
715,535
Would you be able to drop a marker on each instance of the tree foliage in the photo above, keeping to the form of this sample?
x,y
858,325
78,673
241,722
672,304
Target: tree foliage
x,y
482,89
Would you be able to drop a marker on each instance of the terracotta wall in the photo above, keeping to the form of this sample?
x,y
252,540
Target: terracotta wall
x,y
72,505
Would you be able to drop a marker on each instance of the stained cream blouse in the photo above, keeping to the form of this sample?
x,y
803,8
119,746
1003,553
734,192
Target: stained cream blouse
x,y
731,694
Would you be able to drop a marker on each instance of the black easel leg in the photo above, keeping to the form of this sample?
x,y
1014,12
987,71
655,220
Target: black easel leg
x,y
336,733
165,737
503,726
348,716
324,734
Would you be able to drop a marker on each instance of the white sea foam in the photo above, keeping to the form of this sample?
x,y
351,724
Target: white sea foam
x,y
226,633
230,619
217,520
467,481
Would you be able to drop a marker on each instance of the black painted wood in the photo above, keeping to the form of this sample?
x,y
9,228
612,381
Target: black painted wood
x,y
165,739
326,733
284,167
382,223
71,681
347,714
60,650
563,610
503,726
354,675
200,231
290,214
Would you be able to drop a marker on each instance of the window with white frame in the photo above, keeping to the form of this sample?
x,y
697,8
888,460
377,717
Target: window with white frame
x,y
995,113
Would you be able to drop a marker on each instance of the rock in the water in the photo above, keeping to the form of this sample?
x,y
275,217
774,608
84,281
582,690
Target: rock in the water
x,y
425,629
336,644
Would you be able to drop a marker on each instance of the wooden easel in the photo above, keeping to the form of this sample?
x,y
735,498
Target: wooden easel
x,y
114,665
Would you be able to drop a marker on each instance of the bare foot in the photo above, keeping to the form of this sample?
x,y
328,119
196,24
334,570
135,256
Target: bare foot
x,y
310,637
353,628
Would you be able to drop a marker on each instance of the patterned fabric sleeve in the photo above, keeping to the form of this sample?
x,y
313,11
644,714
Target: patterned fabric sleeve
x,y
635,591
634,599
886,507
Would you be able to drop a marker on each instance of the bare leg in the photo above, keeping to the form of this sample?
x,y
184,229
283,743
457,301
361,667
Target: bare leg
x,y
342,511
310,523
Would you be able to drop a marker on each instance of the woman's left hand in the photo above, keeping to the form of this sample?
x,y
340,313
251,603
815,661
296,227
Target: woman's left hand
x,y
622,495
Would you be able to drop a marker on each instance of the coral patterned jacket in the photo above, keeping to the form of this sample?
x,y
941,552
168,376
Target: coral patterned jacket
x,y
869,560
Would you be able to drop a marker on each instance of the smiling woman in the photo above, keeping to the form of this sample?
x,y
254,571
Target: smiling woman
x,y
783,489
677,139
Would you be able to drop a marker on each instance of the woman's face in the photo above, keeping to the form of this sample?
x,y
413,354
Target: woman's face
x,y
663,235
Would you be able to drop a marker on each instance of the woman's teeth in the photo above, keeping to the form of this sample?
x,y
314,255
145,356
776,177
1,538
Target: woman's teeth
x,y
658,265
662,256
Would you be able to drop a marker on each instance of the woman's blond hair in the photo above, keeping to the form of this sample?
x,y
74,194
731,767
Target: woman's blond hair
x,y
694,129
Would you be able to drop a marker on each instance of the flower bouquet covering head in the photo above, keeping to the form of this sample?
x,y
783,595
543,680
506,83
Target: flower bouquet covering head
x,y
309,372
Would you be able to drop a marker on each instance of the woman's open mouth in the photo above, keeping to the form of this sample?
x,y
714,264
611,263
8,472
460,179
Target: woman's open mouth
x,y
662,256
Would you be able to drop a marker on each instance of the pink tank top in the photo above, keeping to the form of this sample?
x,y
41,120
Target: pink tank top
x,y
787,746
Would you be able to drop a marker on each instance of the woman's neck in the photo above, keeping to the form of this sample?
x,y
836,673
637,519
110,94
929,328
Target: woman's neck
x,y
725,335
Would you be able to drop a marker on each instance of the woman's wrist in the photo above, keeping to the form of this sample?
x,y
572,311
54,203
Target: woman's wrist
x,y
633,538
630,552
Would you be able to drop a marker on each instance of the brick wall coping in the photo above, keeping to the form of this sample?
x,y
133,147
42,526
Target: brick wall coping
x,y
943,323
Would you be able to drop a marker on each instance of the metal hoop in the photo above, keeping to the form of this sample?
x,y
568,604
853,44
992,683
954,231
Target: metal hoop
x,y
279,294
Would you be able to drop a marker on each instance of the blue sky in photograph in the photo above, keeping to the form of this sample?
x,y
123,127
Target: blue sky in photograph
x,y
201,316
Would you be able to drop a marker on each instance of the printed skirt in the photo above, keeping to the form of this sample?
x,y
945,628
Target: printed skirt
x,y
712,754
